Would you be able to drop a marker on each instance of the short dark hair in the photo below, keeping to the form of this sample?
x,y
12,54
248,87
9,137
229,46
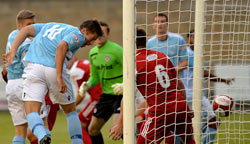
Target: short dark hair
x,y
141,38
92,26
190,32
24,14
162,15
106,25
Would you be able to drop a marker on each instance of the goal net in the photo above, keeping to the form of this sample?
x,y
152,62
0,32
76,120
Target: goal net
x,y
218,63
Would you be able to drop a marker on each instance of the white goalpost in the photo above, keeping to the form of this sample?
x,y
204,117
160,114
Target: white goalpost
x,y
221,65
129,71
198,69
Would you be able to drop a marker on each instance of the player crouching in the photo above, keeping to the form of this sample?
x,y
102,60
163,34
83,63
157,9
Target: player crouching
x,y
168,112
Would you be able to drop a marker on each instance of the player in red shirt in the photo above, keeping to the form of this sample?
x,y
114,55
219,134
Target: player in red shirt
x,y
168,111
80,72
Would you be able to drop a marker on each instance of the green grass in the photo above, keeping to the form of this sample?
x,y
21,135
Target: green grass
x,y
233,130
59,133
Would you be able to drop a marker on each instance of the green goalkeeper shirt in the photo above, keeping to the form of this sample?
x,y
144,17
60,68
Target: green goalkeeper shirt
x,y
106,66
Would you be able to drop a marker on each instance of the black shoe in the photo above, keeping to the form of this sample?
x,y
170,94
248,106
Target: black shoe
x,y
45,140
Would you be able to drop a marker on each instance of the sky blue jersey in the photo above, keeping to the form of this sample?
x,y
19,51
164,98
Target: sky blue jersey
x,y
15,70
174,47
47,36
187,74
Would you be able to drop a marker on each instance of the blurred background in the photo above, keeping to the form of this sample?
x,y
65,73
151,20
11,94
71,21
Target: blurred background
x,y
72,12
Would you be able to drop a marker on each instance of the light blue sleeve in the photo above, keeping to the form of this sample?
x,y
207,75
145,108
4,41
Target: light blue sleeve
x,y
150,44
38,28
182,49
73,41
191,60
8,46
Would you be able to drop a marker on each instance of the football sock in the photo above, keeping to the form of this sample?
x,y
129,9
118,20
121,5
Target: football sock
x,y
47,132
209,135
97,139
85,137
36,125
74,128
18,140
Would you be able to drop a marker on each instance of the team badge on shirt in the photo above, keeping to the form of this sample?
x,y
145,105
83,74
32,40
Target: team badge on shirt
x,y
76,38
107,58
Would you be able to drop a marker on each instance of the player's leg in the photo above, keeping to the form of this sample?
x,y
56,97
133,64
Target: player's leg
x,y
85,116
104,110
32,138
20,135
43,114
152,130
116,108
209,127
66,101
16,107
169,137
94,130
34,92
74,125
183,126
52,111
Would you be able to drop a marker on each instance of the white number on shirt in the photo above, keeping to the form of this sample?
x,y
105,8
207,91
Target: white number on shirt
x,y
162,76
52,32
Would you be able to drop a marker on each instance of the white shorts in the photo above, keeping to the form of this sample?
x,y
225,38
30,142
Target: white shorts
x,y
38,79
14,90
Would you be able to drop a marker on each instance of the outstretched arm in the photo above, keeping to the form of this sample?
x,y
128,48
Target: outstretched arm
x,y
27,31
215,78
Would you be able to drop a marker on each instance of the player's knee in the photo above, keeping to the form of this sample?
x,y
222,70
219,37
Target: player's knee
x,y
93,132
68,108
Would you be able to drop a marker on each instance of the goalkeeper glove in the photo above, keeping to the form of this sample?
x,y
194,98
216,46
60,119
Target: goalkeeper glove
x,y
84,88
118,88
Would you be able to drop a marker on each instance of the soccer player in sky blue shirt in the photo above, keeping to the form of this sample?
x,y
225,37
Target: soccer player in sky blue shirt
x,y
209,119
171,44
46,69
14,73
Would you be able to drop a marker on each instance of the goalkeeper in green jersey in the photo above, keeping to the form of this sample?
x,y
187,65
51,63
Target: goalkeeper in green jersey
x,y
106,67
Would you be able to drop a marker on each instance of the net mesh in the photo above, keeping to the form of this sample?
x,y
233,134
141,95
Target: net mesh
x,y
226,65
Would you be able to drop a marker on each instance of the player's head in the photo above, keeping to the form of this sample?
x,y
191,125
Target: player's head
x,y
91,30
24,18
190,37
160,23
105,29
141,39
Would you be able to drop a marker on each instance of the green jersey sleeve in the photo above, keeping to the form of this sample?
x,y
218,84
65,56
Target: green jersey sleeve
x,y
94,78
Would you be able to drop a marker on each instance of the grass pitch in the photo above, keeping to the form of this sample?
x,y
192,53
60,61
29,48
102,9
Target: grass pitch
x,y
233,130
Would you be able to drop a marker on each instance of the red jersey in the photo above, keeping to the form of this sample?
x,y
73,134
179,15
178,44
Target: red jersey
x,y
156,77
80,72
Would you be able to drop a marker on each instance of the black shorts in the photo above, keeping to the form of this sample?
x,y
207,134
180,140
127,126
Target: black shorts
x,y
107,105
